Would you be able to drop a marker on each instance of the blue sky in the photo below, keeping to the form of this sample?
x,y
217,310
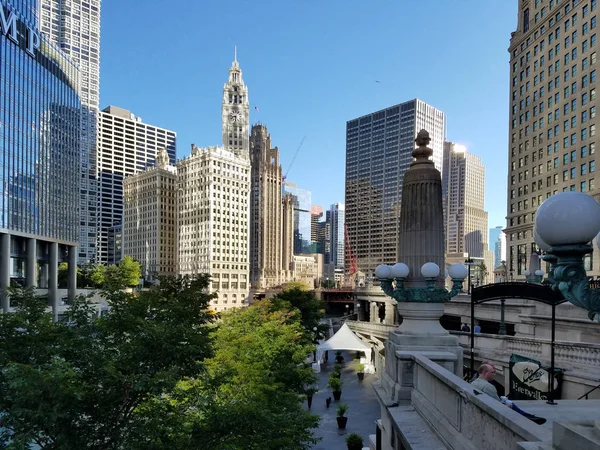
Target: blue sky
x,y
311,65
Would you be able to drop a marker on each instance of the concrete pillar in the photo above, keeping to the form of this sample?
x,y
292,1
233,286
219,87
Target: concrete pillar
x,y
53,279
72,277
4,271
374,313
31,266
389,313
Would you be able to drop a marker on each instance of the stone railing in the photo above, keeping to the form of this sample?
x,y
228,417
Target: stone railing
x,y
579,356
380,330
462,416
459,416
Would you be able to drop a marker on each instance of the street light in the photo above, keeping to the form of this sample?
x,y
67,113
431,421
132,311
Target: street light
x,y
566,224
429,271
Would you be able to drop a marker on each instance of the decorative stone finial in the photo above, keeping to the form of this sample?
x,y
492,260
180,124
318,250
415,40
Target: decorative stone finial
x,y
162,158
422,152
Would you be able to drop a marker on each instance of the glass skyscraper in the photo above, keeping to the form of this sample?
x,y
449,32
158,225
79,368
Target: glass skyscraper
x,y
303,243
40,113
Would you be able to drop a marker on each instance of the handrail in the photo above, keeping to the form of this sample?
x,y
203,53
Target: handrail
x,y
588,393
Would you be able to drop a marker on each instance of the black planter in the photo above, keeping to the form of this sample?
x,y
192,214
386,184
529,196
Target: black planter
x,y
360,376
355,448
337,395
341,421
309,400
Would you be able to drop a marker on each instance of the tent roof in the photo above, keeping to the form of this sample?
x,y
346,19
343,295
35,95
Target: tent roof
x,y
344,339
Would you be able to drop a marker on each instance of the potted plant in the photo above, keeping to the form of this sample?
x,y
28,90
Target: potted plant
x,y
341,419
309,395
336,386
338,357
337,369
360,371
354,441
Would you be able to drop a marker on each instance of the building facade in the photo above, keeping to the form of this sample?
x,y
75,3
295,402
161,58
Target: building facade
x,y
74,27
288,231
149,227
303,243
266,211
126,146
335,218
39,148
463,178
552,115
378,153
213,203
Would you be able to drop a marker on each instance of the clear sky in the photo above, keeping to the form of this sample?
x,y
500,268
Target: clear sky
x,y
311,65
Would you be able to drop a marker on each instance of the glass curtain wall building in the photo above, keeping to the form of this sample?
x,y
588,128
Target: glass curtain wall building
x,y
40,113
303,243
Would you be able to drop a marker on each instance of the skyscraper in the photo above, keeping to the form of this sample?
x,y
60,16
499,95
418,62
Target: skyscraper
x,y
494,235
303,243
126,146
552,110
378,154
39,149
497,244
463,179
149,230
335,218
266,210
213,201
74,27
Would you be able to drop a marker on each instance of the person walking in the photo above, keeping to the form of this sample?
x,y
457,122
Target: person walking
x,y
486,374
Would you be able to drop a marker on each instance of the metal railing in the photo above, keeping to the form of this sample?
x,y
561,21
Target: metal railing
x,y
586,395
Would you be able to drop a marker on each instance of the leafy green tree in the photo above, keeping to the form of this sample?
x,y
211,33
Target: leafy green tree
x,y
311,309
295,285
97,275
80,384
251,397
63,275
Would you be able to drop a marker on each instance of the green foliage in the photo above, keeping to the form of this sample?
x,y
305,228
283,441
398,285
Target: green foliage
x,y
360,368
337,367
342,409
96,275
295,286
311,309
354,441
335,383
63,275
79,384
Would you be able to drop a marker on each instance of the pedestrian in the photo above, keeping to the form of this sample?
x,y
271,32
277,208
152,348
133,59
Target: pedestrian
x,y
486,374
477,329
465,328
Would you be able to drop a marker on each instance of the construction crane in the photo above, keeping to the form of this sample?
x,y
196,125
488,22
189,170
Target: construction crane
x,y
352,266
294,158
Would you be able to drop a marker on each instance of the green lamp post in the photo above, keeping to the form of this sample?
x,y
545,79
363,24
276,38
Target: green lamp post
x,y
565,225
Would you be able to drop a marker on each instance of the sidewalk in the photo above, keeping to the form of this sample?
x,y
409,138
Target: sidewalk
x,y
363,408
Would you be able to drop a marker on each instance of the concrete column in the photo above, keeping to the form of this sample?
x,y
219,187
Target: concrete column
x,y
4,271
374,313
53,279
389,313
72,277
31,266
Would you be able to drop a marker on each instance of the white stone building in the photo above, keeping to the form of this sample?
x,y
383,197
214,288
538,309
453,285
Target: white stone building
x,y
213,203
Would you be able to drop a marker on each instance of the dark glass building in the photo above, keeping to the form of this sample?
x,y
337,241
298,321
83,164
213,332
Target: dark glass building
x,y
40,113
303,243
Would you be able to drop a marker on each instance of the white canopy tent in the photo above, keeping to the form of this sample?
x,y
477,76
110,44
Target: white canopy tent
x,y
345,339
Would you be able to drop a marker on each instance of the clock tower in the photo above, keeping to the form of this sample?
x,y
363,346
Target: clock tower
x,y
236,112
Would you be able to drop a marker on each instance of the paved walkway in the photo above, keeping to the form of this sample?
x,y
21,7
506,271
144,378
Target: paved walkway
x,y
363,408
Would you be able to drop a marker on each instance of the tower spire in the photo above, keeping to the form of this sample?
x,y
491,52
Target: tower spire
x,y
235,53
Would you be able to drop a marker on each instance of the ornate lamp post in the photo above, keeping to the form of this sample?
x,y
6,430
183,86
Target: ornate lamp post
x,y
565,224
398,273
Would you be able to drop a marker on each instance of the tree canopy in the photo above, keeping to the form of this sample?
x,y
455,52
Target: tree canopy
x,y
155,372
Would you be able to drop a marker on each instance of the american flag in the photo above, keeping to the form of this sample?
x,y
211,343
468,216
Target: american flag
x,y
256,108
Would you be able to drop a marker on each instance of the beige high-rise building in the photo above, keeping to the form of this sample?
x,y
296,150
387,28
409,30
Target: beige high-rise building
x,y
463,179
150,218
213,201
552,124
266,212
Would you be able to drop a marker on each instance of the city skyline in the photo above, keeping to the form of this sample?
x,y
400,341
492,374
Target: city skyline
x,y
294,100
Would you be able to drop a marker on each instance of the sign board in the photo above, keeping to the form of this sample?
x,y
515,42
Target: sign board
x,y
529,379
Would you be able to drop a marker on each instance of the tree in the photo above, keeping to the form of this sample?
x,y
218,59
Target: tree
x,y
63,275
251,396
311,309
483,272
80,384
295,285
96,275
